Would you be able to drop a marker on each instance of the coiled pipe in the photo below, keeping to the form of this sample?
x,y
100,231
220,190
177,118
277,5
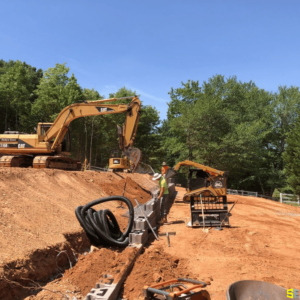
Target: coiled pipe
x,y
101,226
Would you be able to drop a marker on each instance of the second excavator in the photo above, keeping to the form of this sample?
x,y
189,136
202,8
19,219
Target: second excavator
x,y
50,146
202,179
206,193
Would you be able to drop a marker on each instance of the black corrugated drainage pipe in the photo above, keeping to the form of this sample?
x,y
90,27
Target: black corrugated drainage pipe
x,y
101,226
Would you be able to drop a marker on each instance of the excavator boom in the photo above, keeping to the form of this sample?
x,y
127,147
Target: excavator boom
x,y
49,141
93,108
206,192
189,163
202,179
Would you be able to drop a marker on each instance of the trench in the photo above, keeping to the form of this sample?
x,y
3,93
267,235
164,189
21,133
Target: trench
x,y
40,235
20,278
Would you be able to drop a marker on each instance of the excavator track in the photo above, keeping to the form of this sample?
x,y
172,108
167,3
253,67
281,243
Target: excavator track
x,y
56,162
20,161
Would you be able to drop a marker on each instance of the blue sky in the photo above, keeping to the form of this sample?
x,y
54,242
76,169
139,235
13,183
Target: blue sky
x,y
151,46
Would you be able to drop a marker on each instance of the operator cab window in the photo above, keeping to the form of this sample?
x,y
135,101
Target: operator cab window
x,y
197,179
44,129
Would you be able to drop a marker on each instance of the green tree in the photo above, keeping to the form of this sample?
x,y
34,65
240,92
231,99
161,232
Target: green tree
x,y
225,124
91,94
99,135
286,112
18,81
85,130
56,91
148,139
291,157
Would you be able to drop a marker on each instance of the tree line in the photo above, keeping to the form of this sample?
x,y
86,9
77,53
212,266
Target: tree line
x,y
223,123
29,96
237,127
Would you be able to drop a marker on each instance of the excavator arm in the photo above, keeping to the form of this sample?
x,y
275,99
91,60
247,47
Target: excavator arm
x,y
189,163
100,107
217,179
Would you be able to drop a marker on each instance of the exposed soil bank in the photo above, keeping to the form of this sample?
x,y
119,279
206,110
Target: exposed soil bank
x,y
154,266
91,267
37,220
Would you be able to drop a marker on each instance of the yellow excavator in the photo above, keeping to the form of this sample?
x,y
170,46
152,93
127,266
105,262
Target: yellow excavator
x,y
206,193
202,180
50,146
117,164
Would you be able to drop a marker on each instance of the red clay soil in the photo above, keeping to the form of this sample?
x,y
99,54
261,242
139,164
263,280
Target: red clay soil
x,y
263,244
37,219
144,181
37,207
132,189
89,269
152,267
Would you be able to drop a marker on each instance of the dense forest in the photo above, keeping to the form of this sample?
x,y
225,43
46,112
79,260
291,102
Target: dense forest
x,y
224,123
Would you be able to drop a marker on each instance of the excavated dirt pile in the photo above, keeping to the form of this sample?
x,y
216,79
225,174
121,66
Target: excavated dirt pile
x,y
89,269
154,266
40,235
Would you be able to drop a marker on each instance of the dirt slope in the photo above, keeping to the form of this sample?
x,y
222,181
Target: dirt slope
x,y
37,219
263,244
38,222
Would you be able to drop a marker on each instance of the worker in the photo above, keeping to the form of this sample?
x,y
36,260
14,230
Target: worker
x,y
164,169
163,196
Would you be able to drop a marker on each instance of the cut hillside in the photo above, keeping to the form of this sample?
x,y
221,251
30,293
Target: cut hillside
x,y
38,223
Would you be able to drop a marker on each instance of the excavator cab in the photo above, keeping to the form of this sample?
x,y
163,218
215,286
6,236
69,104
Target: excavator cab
x,y
66,142
43,128
197,179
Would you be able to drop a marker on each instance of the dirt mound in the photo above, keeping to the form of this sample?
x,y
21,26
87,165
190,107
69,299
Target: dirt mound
x,y
145,181
127,187
90,267
37,215
153,266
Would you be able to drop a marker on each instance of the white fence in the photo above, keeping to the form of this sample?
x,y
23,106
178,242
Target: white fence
x,y
241,192
284,198
289,198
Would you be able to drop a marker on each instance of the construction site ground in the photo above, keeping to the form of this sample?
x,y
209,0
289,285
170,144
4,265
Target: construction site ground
x,y
41,239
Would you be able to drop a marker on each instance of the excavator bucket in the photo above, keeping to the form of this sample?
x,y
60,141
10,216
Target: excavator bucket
x,y
170,173
135,157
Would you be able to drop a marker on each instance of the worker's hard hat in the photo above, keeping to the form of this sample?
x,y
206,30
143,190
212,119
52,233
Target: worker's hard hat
x,y
164,164
156,176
